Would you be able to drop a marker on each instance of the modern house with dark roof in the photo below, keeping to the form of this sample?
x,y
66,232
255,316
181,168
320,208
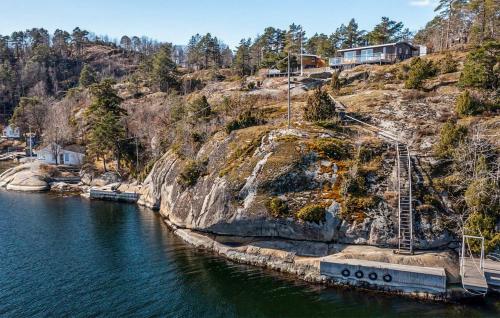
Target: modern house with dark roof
x,y
374,54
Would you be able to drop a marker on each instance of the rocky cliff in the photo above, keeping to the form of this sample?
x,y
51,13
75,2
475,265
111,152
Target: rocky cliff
x,y
230,196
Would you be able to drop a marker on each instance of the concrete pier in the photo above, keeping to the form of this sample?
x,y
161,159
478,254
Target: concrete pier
x,y
492,274
387,276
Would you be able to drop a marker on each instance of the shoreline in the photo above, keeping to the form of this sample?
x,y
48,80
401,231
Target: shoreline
x,y
302,260
305,268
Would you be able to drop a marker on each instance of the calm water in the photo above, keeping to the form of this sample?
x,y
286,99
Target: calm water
x,y
71,257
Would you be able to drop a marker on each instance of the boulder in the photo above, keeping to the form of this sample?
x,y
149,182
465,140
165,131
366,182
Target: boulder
x,y
103,179
26,177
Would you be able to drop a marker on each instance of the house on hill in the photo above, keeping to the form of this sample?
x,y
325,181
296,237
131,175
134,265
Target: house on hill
x,y
72,155
374,54
11,132
312,61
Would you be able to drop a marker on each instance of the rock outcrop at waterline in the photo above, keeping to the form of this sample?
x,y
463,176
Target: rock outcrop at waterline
x,y
25,177
243,170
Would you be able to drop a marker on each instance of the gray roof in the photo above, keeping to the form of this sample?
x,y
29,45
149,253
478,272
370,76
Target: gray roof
x,y
374,46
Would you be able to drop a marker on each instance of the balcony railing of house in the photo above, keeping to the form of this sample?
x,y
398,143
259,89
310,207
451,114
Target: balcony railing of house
x,y
366,59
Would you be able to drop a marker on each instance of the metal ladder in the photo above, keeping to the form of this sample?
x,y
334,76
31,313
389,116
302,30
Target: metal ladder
x,y
405,210
404,173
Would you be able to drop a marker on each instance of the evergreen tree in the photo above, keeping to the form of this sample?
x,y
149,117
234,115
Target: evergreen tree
x,y
87,76
352,37
241,62
200,108
386,31
480,68
104,127
320,44
126,42
164,69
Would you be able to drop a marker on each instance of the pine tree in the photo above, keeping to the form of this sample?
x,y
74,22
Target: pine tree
x,y
352,34
87,76
104,128
241,62
479,69
164,69
386,31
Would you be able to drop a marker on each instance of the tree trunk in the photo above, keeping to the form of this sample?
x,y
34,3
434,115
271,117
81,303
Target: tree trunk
x,y
104,163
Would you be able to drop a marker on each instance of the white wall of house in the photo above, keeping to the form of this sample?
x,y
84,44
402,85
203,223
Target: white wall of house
x,y
11,132
66,157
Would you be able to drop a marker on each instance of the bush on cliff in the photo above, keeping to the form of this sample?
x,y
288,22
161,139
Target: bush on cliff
x,y
246,119
277,207
312,213
331,148
335,83
419,71
466,104
319,106
480,69
447,64
200,108
449,138
191,172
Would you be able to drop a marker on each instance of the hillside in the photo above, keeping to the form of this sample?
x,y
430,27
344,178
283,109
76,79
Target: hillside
x,y
212,151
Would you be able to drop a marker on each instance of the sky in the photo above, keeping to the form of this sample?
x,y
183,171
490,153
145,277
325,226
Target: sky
x,y
176,21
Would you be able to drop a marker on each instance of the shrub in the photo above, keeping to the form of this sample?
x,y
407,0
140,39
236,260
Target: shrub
x,y
479,68
246,119
447,64
335,83
334,124
191,172
87,76
355,207
486,224
277,207
319,106
331,147
200,108
419,71
449,138
312,213
479,194
467,104
49,170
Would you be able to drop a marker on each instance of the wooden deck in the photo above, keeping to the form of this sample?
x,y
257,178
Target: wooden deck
x,y
473,278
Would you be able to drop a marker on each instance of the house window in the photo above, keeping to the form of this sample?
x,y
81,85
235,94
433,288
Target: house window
x,y
349,55
366,55
66,157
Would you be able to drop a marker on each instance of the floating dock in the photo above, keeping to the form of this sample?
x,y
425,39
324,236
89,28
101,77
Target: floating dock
x,y
130,197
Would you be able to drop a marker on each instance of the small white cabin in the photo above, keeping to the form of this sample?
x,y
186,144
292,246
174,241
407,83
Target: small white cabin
x,y
11,132
72,155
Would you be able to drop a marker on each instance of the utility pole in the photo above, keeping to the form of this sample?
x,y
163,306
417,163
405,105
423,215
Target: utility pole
x,y
289,108
136,155
301,60
31,146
